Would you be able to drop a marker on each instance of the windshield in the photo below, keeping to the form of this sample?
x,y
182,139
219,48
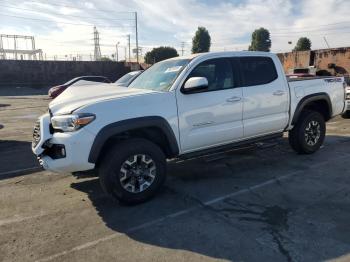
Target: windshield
x,y
126,78
160,76
71,81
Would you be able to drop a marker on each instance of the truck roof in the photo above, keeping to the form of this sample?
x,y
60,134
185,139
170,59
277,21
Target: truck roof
x,y
226,53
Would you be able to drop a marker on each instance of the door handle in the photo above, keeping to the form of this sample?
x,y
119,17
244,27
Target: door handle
x,y
233,99
278,93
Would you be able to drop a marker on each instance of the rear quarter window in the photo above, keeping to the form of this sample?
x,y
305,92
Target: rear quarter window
x,y
257,70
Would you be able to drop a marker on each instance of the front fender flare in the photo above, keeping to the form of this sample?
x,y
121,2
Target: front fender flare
x,y
135,123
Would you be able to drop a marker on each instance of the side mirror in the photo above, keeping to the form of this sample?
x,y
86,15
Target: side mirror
x,y
195,85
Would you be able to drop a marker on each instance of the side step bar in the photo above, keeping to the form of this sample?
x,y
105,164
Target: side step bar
x,y
236,146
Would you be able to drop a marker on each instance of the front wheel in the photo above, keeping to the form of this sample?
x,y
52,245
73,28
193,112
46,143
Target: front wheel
x,y
308,134
133,171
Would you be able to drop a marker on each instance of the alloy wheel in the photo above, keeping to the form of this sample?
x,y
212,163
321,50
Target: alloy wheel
x,y
137,173
312,133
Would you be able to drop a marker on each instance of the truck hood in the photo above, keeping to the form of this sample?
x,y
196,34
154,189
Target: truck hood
x,y
77,96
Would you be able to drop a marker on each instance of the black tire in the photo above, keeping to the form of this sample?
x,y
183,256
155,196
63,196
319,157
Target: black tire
x,y
110,170
298,136
346,115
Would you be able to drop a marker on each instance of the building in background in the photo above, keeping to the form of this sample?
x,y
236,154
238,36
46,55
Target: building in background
x,y
334,61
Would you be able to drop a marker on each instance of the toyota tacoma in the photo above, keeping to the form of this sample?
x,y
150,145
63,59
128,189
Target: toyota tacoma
x,y
182,108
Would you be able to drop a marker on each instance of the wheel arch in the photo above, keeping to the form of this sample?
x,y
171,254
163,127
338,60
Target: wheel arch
x,y
154,128
319,102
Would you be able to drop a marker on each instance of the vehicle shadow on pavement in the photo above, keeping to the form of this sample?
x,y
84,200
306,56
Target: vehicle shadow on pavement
x,y
217,232
16,159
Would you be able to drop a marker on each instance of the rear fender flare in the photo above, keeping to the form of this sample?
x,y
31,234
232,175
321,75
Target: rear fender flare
x,y
309,99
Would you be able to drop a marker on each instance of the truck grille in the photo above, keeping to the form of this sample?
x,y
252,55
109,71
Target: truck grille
x,y
36,134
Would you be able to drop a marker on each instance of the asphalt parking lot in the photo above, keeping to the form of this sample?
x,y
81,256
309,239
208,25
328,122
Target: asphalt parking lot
x,y
266,204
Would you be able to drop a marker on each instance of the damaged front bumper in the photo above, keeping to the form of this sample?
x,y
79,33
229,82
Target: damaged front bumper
x,y
61,152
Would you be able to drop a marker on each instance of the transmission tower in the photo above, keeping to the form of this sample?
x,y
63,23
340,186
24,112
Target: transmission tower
x,y
97,52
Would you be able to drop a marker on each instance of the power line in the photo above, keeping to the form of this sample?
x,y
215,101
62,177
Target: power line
x,y
76,7
315,26
312,34
131,12
295,34
83,43
90,17
317,30
68,23
326,42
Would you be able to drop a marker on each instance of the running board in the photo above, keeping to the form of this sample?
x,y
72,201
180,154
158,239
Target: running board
x,y
236,146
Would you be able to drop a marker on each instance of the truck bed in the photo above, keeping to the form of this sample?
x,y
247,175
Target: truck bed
x,y
333,87
308,78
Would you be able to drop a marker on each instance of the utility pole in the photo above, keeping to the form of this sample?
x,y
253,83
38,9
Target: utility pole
x,y
2,54
15,46
116,54
137,39
182,48
128,36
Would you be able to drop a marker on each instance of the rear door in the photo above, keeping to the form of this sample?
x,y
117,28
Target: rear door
x,y
265,94
214,116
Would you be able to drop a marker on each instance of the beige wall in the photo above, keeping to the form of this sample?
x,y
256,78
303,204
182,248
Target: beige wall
x,y
340,57
294,60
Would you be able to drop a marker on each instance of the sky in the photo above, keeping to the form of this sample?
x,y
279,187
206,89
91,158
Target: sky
x,y
65,28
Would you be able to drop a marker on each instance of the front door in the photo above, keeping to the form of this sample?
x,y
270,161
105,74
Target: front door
x,y
214,116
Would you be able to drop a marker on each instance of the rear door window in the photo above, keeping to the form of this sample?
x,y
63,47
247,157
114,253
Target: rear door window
x,y
257,70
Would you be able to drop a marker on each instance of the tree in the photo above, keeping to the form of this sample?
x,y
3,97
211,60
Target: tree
x,y
159,54
303,44
105,59
201,41
260,40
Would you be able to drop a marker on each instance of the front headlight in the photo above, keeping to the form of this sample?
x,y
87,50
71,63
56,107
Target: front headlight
x,y
70,123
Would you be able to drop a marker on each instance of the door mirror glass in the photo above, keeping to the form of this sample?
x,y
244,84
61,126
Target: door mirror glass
x,y
195,84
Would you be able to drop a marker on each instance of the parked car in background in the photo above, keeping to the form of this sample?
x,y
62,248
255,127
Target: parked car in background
x,y
182,108
57,90
128,78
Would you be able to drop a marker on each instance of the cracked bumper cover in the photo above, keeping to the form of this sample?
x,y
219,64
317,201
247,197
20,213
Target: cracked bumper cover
x,y
77,147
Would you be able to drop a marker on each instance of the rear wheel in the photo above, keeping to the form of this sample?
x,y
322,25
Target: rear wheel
x,y
308,134
133,171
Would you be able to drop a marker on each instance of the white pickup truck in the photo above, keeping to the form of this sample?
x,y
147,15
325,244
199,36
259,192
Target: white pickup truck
x,y
182,108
